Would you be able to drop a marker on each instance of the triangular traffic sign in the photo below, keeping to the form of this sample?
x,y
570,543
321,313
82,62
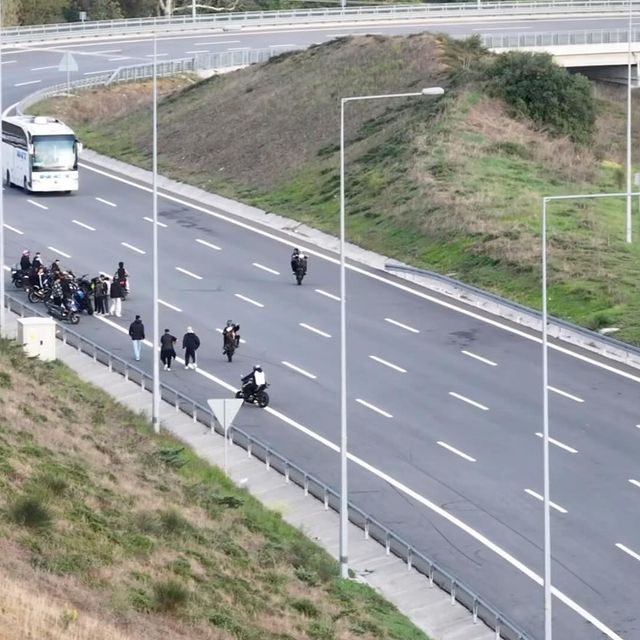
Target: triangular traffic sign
x,y
225,410
68,63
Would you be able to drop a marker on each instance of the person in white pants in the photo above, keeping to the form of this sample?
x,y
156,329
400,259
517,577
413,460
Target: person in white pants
x,y
116,294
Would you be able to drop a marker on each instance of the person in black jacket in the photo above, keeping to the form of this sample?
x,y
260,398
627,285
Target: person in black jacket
x,y
136,331
167,352
190,344
116,294
25,260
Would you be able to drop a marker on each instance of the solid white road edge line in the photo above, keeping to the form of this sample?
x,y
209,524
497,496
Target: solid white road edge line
x,y
170,306
261,266
565,394
160,224
364,403
82,224
480,358
62,253
558,443
37,204
208,244
468,401
537,496
298,369
310,328
414,495
402,326
188,273
633,554
388,364
458,308
6,226
456,451
110,204
249,300
327,295
130,246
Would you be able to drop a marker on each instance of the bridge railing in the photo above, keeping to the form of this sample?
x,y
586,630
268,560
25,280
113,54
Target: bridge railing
x,y
309,16
481,610
559,38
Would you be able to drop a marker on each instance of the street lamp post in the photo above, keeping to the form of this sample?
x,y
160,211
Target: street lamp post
x,y
545,399
155,410
344,513
628,201
3,327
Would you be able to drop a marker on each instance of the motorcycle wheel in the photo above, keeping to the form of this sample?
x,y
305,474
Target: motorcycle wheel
x,y
18,283
229,355
262,399
298,279
74,318
33,297
239,394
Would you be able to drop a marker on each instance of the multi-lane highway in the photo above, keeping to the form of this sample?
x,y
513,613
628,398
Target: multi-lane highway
x,y
444,403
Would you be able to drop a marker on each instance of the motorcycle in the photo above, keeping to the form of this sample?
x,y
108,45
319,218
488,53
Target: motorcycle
x,y
259,396
61,312
300,271
17,277
38,294
83,301
231,342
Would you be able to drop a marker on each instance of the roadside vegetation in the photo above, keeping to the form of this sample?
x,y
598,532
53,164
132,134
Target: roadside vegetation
x,y
110,533
452,184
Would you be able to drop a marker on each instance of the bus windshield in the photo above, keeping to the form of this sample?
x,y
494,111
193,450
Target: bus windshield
x,y
54,153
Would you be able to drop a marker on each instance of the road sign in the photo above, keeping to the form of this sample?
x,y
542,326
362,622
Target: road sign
x,y
68,63
225,410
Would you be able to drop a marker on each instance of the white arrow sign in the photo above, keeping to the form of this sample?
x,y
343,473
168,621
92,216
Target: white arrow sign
x,y
68,63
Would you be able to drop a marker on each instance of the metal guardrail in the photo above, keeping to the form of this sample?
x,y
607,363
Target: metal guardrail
x,y
560,38
92,29
310,484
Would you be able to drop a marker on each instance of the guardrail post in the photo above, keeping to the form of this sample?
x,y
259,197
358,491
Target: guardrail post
x,y
267,461
409,558
453,592
286,472
110,364
475,610
387,543
430,576
366,528
326,499
498,627
306,486
249,447
195,413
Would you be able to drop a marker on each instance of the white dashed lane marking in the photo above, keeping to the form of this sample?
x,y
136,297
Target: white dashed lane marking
x,y
110,204
83,225
267,269
24,84
53,66
473,403
20,233
310,328
480,358
208,244
62,253
634,482
462,454
388,364
364,403
566,447
160,224
37,204
170,306
249,300
298,369
560,392
628,551
402,325
327,295
130,246
189,273
553,505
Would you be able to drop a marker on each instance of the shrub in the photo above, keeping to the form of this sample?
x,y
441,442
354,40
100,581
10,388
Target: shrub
x,y
305,607
5,380
29,511
173,523
535,87
169,595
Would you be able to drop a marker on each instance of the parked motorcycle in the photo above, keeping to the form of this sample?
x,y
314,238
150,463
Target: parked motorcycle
x,y
38,294
259,396
17,277
61,312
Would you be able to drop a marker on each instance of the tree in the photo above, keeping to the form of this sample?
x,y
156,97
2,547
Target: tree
x,y
39,12
10,15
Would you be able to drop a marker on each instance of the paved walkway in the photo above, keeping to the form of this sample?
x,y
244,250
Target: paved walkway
x,y
429,608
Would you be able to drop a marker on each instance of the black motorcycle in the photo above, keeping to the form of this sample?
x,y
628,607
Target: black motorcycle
x,y
258,396
38,294
231,342
62,312
300,271
17,277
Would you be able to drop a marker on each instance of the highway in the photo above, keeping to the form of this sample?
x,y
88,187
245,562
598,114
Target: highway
x,y
444,403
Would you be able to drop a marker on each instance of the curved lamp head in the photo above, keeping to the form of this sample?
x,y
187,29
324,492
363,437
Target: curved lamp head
x,y
432,91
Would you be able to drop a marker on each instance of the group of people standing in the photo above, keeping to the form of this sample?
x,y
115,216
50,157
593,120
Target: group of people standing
x,y
190,344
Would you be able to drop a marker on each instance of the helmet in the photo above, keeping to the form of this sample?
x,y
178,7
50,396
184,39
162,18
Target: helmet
x,y
229,323
25,252
296,250
257,367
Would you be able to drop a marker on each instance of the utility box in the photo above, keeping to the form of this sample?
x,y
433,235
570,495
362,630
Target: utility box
x,y
38,337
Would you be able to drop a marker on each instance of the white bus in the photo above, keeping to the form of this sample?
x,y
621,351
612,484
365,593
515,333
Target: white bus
x,y
39,153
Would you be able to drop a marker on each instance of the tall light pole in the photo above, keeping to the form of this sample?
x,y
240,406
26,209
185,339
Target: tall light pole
x,y
545,401
155,411
193,10
344,498
3,326
628,216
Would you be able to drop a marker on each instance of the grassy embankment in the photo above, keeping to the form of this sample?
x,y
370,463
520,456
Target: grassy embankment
x,y
108,532
453,185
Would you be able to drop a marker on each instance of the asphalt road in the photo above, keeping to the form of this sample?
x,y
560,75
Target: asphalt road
x,y
444,405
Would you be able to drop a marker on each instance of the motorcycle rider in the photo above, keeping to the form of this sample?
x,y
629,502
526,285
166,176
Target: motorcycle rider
x,y
253,381
231,332
37,261
122,276
56,291
25,260
295,256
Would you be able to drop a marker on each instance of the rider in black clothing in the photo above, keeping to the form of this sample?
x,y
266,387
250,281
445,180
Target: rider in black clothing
x,y
25,261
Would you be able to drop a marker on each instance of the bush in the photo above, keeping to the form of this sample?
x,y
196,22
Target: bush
x,y
305,607
169,595
29,511
539,89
